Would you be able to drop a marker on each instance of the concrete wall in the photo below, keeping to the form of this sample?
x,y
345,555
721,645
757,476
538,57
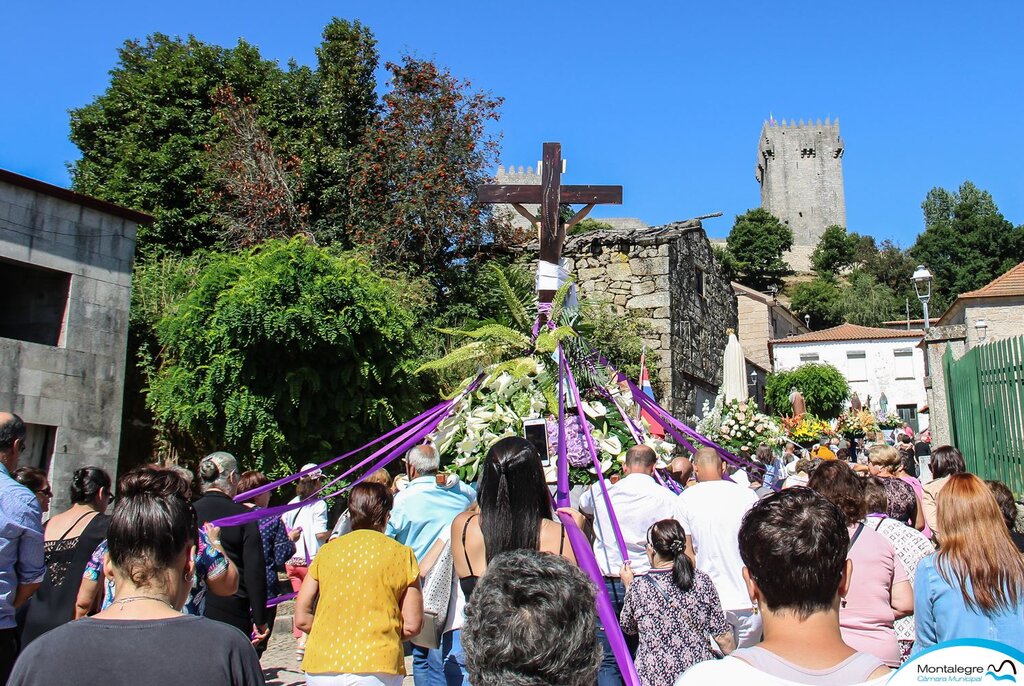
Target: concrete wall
x,y
77,385
800,169
761,320
1004,318
881,369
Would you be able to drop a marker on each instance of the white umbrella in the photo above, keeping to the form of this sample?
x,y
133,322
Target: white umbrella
x,y
734,371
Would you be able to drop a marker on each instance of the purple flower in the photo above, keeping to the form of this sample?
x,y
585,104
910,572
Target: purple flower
x,y
575,443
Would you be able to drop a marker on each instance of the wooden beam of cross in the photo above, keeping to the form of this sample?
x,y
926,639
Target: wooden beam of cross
x,y
550,195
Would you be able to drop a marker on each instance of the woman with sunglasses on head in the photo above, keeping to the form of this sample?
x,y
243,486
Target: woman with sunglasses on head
x,y
674,608
143,637
70,537
36,481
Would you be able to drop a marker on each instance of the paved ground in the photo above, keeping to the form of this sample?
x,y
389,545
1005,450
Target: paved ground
x,y
279,665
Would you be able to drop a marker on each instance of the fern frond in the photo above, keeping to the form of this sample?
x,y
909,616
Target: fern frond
x,y
474,351
495,333
558,301
547,341
517,368
517,309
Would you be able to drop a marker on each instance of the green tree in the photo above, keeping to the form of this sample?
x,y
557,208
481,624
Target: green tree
x,y
867,302
836,251
757,242
413,195
822,299
282,354
966,242
144,140
824,388
890,266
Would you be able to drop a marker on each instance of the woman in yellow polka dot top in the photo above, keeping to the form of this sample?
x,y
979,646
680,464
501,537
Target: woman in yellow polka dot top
x,y
366,590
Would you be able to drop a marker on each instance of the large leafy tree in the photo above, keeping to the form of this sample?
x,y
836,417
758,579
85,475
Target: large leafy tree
x,y
966,242
824,388
836,251
177,109
867,302
144,140
757,242
822,299
413,195
283,354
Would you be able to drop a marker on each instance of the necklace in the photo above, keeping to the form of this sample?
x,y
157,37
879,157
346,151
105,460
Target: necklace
x,y
131,599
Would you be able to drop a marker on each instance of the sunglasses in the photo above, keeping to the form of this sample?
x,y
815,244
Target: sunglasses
x,y
48,492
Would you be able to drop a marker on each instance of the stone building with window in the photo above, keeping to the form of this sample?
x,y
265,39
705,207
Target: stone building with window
x,y
668,275
65,272
884,367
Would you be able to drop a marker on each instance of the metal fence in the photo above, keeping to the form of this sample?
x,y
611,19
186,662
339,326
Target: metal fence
x,y
985,396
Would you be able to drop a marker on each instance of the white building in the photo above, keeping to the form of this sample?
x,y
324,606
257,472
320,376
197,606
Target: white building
x,y
883,366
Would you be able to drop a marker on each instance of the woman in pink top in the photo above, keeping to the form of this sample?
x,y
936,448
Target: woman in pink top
x,y
880,592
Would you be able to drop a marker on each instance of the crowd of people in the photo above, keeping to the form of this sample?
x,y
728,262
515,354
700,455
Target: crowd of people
x,y
794,568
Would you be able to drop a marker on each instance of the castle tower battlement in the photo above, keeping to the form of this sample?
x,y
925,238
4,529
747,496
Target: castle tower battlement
x,y
800,169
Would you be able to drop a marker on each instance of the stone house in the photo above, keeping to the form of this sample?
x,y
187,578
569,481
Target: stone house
x,y
668,275
65,272
762,318
993,312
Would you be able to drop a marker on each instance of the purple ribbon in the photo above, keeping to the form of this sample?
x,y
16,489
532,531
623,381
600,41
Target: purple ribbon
x,y
634,430
277,600
609,620
562,465
619,540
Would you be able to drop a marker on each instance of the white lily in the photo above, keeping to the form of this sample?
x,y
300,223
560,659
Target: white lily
x,y
468,445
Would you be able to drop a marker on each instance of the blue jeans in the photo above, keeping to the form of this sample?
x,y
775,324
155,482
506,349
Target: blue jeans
x,y
426,667
453,659
608,674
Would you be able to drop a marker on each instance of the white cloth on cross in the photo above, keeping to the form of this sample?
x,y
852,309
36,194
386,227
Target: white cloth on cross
x,y
551,277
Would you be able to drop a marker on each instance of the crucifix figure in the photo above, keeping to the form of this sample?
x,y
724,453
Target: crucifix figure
x,y
550,195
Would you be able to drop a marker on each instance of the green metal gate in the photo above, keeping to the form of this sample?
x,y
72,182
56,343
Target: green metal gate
x,y
985,397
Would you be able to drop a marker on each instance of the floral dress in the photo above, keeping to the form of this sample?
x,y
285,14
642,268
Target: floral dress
x,y
675,628
902,500
210,563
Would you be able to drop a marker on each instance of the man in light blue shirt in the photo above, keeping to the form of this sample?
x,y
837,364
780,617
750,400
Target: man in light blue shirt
x,y
420,514
21,540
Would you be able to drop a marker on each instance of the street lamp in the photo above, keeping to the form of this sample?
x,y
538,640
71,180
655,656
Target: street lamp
x,y
753,377
922,279
981,327
807,321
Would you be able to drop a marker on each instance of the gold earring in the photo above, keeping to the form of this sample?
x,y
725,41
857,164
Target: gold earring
x,y
755,609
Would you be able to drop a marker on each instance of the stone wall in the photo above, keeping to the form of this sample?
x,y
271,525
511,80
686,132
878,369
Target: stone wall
x,y
936,340
655,273
70,391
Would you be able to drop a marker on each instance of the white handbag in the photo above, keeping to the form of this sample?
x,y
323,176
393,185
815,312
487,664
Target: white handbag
x,y
437,591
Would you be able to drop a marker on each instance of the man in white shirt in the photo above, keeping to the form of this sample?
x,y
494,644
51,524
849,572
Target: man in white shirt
x,y
711,511
638,502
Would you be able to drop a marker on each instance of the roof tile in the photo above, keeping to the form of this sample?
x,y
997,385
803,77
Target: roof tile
x,y
849,332
1009,284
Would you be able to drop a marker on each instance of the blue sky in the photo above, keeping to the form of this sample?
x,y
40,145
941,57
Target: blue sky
x,y
666,99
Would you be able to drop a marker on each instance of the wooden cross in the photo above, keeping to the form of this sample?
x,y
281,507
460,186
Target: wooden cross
x,y
550,195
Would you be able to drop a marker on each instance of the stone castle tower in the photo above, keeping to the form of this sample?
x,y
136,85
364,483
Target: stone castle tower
x,y
800,169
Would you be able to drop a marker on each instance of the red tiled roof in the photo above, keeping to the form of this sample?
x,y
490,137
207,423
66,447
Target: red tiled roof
x,y
1009,284
849,332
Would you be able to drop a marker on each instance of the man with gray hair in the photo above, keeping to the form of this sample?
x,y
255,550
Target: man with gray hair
x,y
422,512
21,546
532,621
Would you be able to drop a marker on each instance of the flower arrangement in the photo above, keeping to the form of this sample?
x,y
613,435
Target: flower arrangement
x,y
504,400
738,425
806,427
888,420
856,423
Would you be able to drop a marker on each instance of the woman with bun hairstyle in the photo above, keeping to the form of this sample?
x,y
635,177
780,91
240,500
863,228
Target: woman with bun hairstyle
x,y
674,608
143,637
69,539
246,609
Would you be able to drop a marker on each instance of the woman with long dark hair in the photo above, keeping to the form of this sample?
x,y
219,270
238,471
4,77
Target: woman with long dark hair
x,y
674,608
514,513
974,585
143,635
70,538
